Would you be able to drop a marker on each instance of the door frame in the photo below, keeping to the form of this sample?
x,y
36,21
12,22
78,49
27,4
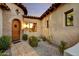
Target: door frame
x,y
19,29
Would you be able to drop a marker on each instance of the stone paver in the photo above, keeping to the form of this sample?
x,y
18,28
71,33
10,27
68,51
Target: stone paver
x,y
43,49
22,49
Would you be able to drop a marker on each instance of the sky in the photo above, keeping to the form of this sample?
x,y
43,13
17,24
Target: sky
x,y
36,9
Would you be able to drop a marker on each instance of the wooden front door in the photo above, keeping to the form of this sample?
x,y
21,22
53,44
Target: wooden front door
x,y
15,30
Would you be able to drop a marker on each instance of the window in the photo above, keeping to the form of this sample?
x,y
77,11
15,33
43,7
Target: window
x,y
69,18
47,24
31,27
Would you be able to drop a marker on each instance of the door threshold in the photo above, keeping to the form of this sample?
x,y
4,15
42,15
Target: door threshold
x,y
14,42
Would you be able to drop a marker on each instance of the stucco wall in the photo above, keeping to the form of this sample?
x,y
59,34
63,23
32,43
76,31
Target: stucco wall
x,y
1,18
57,28
9,16
45,30
38,31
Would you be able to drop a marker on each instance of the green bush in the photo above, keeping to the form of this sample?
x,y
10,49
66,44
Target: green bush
x,y
49,41
33,41
2,53
25,37
62,47
5,42
43,38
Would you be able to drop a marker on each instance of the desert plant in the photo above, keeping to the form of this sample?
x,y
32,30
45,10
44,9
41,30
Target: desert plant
x,y
62,47
33,41
24,37
4,42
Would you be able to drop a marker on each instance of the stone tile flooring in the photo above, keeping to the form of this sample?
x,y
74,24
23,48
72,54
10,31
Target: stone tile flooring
x,y
24,49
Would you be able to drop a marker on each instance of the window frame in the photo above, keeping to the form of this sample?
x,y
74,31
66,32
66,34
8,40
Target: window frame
x,y
66,13
47,23
34,29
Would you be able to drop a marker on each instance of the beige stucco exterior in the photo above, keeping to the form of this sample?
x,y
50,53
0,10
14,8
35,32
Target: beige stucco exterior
x,y
57,28
8,16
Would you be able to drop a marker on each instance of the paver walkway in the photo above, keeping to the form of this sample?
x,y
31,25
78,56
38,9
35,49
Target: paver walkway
x,y
24,49
45,49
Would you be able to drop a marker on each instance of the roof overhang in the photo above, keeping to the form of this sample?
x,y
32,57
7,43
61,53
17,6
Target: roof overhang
x,y
50,9
22,7
4,6
31,17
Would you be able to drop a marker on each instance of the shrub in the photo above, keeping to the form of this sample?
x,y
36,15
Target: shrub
x,y
4,42
2,53
49,39
33,41
62,47
43,38
25,37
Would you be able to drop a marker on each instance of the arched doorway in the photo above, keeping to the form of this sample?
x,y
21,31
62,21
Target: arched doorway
x,y
16,26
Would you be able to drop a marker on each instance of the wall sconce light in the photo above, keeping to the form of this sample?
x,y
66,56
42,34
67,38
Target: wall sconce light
x,y
24,25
